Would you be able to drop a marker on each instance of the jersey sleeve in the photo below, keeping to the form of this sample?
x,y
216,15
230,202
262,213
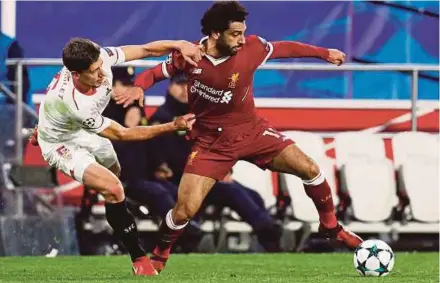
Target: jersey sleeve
x,y
174,64
91,120
261,49
112,55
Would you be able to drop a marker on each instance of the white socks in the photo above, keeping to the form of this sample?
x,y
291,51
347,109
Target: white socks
x,y
170,222
315,181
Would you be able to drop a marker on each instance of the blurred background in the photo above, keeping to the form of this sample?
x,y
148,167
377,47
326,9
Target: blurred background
x,y
373,126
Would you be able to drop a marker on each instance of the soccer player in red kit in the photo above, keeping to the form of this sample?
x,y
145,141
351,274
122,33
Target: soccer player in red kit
x,y
228,128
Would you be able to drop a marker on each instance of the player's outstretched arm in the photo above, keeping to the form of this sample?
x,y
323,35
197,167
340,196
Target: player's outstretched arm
x,y
117,132
294,49
191,52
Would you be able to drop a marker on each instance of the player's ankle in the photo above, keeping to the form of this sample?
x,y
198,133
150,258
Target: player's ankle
x,y
138,257
163,254
328,220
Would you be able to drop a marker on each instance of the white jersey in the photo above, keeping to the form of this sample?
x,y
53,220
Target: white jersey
x,y
65,111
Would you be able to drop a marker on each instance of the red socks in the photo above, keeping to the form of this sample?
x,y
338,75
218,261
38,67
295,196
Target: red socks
x,y
319,191
168,235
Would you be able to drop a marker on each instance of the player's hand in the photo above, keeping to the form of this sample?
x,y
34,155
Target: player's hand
x,y
129,96
163,172
190,52
336,57
185,122
33,139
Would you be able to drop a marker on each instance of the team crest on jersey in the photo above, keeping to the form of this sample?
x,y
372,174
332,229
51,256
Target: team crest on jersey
x,y
192,156
233,80
106,83
64,152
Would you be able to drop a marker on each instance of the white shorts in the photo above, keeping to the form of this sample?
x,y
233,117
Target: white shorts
x,y
72,157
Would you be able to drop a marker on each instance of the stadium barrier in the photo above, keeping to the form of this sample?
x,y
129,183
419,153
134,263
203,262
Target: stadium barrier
x,y
414,69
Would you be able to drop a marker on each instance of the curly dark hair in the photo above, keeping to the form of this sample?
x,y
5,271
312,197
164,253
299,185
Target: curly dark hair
x,y
221,14
79,54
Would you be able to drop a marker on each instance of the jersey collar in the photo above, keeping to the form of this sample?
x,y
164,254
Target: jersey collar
x,y
90,92
214,61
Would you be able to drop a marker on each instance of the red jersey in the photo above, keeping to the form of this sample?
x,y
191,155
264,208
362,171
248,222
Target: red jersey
x,y
220,94
220,89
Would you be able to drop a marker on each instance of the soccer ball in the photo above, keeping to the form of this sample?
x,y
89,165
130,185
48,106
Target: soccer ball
x,y
373,258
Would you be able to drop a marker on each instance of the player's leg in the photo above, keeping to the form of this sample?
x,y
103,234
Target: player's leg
x,y
102,150
192,191
202,170
118,216
78,162
117,213
293,161
269,148
115,168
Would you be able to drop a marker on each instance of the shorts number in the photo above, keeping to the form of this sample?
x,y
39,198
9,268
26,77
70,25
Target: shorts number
x,y
63,152
53,84
271,132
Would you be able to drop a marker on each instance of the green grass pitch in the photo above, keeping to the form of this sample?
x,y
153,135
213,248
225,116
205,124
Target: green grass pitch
x,y
255,268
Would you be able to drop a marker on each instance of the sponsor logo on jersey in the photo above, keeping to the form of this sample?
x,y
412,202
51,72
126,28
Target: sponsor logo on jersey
x,y
197,71
233,80
211,94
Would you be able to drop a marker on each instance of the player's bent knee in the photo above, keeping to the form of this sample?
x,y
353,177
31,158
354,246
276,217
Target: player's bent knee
x,y
313,171
105,182
114,193
307,170
116,169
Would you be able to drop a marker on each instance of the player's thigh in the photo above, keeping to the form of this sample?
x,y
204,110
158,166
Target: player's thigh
x,y
212,163
192,191
104,181
67,157
115,168
293,160
80,164
264,145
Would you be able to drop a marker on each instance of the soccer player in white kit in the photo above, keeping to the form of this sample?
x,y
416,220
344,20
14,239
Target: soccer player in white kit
x,y
75,138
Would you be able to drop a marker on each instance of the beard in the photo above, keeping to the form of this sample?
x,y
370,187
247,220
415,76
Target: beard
x,y
225,49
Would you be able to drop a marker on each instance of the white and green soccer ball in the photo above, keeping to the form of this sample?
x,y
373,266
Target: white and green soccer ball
x,y
373,258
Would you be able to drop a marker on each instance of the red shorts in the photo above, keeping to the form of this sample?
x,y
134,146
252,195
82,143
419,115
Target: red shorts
x,y
214,154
